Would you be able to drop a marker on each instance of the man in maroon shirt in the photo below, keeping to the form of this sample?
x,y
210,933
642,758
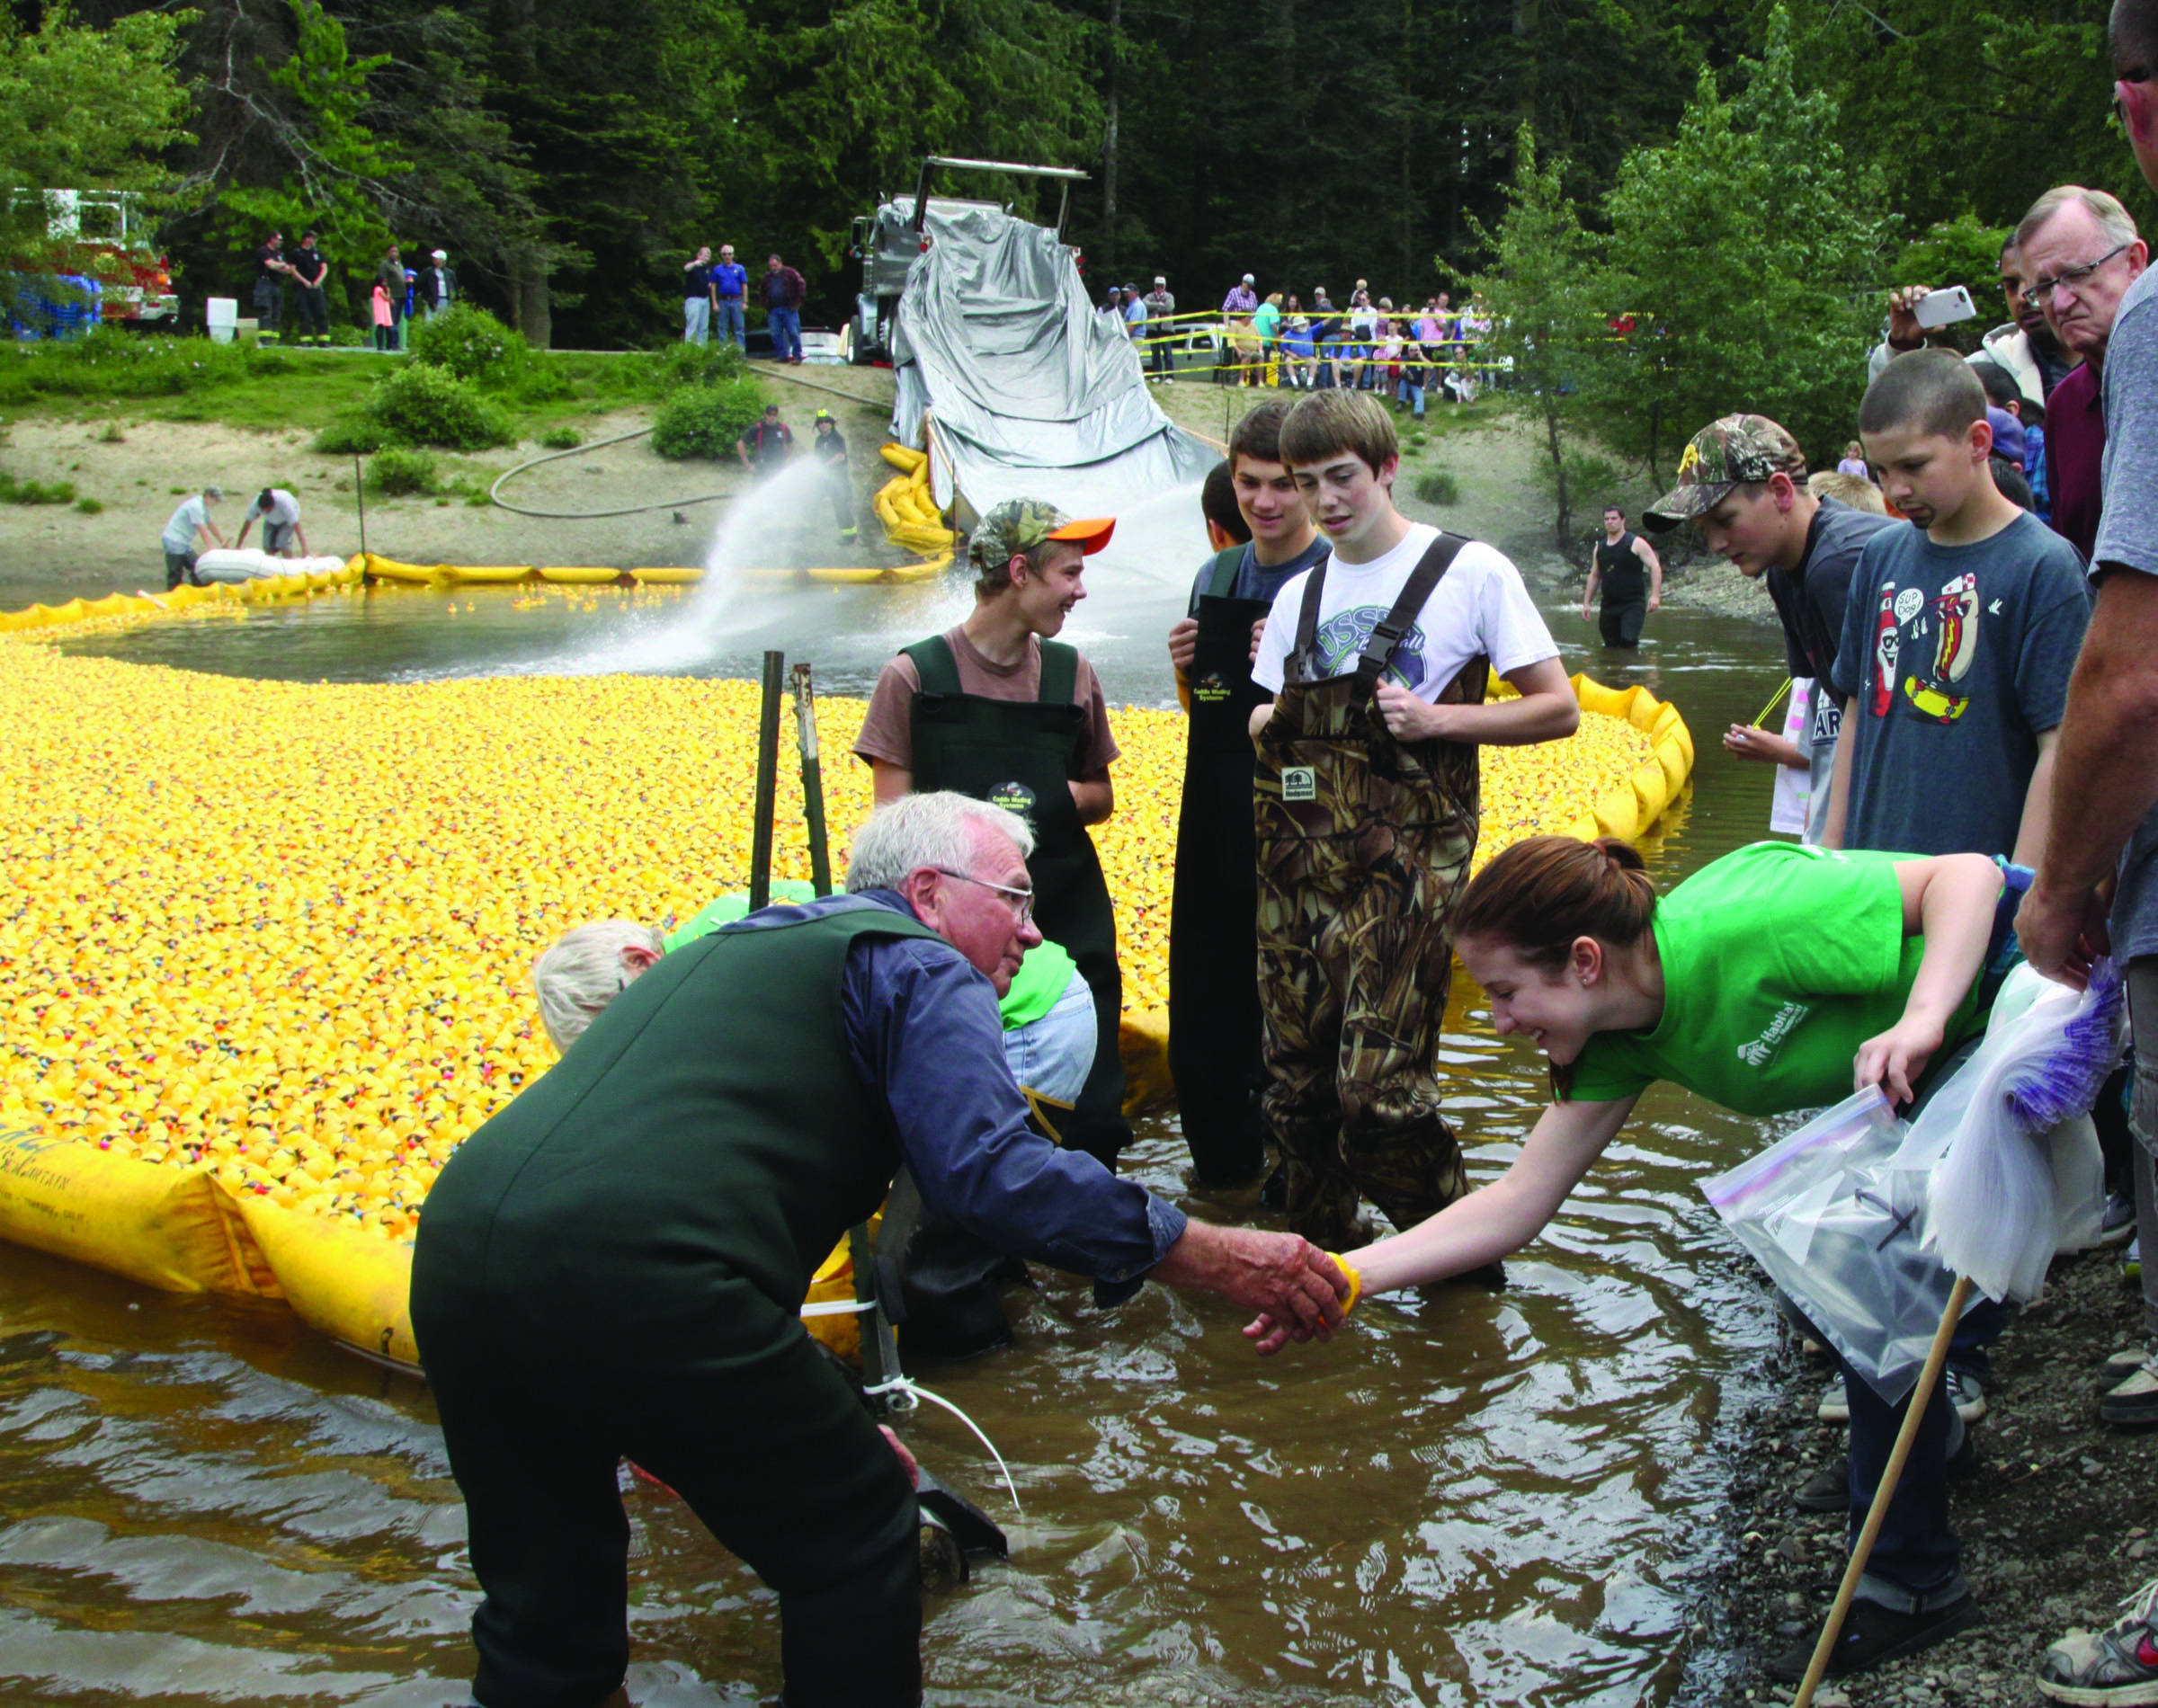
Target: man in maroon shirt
x,y
2081,252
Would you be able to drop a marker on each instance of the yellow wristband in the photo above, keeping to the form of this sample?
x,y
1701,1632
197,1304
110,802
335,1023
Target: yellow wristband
x,y
1356,1282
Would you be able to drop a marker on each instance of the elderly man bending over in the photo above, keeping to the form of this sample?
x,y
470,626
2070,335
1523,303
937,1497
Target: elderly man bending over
x,y
652,1209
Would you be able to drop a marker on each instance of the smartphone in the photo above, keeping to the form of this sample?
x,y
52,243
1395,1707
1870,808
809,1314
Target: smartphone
x,y
1945,307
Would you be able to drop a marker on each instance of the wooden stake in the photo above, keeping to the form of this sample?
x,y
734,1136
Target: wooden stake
x,y
1870,1533
768,781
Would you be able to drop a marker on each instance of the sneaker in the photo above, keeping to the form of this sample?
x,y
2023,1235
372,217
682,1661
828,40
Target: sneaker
x,y
1836,1404
2118,1223
1965,1393
2120,1365
2117,1667
1828,1490
2133,1403
1873,1633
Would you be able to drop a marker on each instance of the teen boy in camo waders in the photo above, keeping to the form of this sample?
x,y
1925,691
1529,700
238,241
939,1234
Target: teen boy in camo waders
x,y
1213,1028
997,709
1366,816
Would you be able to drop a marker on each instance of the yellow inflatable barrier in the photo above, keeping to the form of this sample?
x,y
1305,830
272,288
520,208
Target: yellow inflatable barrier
x,y
351,1286
390,569
171,1228
664,577
575,576
906,461
485,574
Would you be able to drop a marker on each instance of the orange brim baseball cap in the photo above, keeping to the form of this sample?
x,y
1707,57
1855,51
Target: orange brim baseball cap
x,y
1092,532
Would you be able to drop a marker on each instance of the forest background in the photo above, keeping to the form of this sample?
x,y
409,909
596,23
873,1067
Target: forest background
x,y
1742,182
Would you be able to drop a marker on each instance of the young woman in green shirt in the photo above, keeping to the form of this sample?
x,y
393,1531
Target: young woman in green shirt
x,y
1778,978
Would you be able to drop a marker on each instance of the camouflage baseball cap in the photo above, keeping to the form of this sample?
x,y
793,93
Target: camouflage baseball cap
x,y
1725,454
1020,524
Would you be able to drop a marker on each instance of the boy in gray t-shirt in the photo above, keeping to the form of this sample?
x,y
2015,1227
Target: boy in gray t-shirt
x,y
1959,636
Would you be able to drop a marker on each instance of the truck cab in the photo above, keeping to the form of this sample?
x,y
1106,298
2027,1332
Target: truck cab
x,y
887,242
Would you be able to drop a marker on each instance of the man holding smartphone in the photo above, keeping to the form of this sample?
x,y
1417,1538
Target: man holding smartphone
x,y
2025,345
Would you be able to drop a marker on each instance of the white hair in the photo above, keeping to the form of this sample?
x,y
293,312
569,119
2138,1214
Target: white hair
x,y
2113,220
918,830
582,971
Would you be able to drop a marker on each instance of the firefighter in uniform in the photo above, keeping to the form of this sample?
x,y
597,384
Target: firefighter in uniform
x,y
1367,814
997,709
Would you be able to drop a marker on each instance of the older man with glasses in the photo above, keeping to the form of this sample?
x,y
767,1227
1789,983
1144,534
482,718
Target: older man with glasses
x,y
2081,252
658,1201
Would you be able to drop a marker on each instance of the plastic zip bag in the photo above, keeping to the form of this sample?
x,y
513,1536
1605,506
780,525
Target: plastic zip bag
x,y
1841,1228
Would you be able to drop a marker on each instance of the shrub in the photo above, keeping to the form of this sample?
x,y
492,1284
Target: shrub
x,y
35,492
1438,486
399,473
89,506
700,421
111,434
423,406
470,344
356,435
561,439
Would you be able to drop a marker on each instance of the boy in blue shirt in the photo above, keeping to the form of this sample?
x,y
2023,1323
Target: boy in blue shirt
x,y
1959,635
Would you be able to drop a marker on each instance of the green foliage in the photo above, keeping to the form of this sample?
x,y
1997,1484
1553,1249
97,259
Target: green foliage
x,y
705,421
470,344
561,439
399,473
34,491
1545,293
1754,259
679,365
90,506
1438,486
112,433
422,405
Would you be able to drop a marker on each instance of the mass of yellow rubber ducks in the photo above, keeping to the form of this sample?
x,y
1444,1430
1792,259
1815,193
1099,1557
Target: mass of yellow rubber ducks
x,y
283,928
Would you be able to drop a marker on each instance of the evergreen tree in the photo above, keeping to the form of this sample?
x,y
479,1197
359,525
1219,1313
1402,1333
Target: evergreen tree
x,y
1756,258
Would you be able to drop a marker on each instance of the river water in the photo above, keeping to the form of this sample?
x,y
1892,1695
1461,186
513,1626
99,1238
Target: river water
x,y
1469,1497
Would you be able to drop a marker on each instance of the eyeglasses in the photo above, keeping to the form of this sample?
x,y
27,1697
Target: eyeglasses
x,y
2044,288
1022,901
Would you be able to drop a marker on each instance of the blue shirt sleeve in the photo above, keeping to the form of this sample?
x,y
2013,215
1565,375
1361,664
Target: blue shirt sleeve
x,y
923,1028
1858,626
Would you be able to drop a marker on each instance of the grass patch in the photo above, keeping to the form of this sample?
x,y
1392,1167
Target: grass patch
x,y
112,434
332,394
35,492
561,439
1438,486
89,506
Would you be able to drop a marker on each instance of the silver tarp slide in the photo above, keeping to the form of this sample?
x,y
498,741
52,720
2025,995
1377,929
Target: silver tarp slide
x,y
1034,393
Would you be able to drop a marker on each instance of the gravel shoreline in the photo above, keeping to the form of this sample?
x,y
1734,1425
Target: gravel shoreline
x,y
2056,1523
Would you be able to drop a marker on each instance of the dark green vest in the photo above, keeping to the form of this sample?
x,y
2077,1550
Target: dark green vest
x,y
708,1129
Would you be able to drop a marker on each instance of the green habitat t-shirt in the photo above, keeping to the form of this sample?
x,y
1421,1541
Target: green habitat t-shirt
x,y
1040,980
1779,962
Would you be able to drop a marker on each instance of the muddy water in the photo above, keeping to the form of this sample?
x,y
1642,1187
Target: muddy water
x,y
1470,1498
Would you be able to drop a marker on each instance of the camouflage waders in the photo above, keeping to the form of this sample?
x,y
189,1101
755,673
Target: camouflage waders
x,y
1363,841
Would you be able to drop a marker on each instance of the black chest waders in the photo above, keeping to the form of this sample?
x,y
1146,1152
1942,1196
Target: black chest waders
x,y
1214,1026
1363,841
1023,755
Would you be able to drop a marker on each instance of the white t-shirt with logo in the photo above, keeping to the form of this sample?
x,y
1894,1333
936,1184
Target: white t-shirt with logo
x,y
1480,607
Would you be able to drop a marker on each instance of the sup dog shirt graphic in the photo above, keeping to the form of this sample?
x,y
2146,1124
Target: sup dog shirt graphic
x,y
1924,646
